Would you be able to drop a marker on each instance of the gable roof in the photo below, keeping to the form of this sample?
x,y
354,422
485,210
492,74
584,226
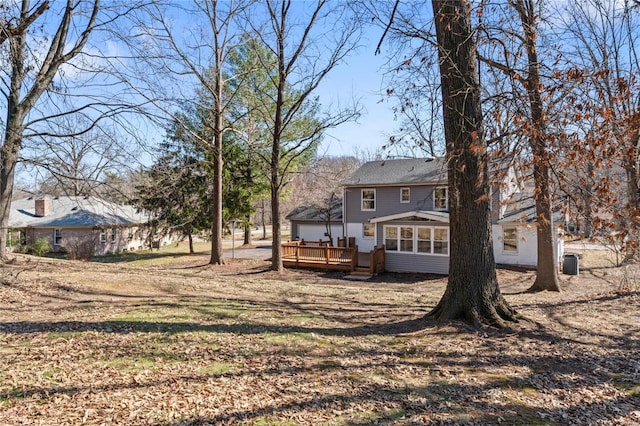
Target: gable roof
x,y
409,171
74,212
522,208
315,212
421,214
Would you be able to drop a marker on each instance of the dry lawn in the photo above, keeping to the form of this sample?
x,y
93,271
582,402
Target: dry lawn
x,y
171,341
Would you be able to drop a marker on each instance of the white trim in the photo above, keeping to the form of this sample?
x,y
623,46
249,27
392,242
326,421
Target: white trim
x,y
408,200
446,198
517,237
59,232
362,200
398,239
429,215
366,237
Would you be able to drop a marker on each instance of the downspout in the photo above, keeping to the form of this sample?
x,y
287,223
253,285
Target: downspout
x,y
344,212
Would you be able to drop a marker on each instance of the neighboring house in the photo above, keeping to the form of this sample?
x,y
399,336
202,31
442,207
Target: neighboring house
x,y
102,226
404,205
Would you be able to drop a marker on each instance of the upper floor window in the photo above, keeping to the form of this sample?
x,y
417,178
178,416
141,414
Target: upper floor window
x,y
57,237
368,199
440,198
405,195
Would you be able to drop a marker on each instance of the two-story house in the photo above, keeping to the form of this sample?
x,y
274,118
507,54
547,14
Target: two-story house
x,y
403,204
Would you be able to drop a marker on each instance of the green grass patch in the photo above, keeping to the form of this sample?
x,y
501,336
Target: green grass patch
x,y
388,416
291,339
66,335
223,309
218,369
138,363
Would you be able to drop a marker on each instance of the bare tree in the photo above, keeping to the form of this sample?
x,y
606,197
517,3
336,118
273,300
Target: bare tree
x,y
605,60
77,164
532,121
28,79
308,44
318,185
472,291
187,65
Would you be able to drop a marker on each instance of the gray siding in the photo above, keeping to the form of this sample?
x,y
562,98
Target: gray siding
x,y
295,228
402,262
407,262
387,202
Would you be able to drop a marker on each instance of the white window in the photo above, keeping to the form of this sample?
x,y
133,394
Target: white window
x,y
440,198
406,239
113,235
405,195
417,239
368,199
424,240
57,237
391,238
440,240
510,239
368,230
103,236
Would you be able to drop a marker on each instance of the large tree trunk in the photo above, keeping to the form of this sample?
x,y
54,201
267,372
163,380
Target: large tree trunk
x,y
276,237
547,273
633,198
7,171
13,133
216,223
472,292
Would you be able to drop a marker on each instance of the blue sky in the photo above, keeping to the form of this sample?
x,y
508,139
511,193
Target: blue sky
x,y
360,78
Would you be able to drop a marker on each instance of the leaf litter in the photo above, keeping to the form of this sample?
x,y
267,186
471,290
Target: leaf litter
x,y
95,344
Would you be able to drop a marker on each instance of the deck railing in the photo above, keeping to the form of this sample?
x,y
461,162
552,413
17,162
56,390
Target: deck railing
x,y
299,255
376,260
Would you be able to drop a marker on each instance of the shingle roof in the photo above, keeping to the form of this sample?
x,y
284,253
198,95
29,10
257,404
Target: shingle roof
x,y
317,212
522,208
399,172
74,211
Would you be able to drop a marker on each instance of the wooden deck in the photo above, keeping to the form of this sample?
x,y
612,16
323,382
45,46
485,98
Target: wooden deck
x,y
298,254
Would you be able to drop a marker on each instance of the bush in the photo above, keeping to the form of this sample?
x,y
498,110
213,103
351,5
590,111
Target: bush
x,y
39,248
79,249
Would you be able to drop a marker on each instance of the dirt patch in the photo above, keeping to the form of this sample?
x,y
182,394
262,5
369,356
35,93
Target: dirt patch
x,y
183,342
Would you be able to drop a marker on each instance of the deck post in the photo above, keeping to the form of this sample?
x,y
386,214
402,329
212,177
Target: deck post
x,y
372,260
326,253
354,259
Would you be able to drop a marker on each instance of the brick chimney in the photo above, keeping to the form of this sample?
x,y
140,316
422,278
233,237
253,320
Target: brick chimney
x,y
43,207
